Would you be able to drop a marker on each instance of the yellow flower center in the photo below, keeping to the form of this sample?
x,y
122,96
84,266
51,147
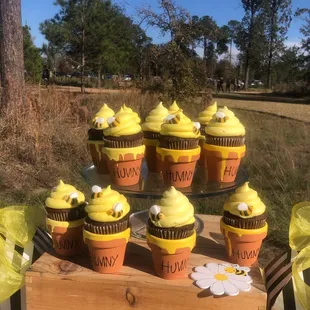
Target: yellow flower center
x,y
230,269
220,277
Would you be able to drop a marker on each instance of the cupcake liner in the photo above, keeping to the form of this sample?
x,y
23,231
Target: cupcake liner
x,y
173,233
95,135
175,143
67,215
250,223
106,228
123,141
225,141
151,135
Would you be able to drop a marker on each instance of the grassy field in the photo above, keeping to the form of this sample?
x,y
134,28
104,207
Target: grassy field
x,y
46,141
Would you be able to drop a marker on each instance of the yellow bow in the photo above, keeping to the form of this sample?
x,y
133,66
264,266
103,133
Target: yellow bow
x,y
18,225
299,236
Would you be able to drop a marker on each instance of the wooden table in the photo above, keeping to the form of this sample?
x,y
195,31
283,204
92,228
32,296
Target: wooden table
x,y
61,284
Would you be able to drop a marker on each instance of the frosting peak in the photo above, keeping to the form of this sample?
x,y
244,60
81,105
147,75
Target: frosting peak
x,y
173,108
173,210
206,115
126,110
179,125
245,199
155,118
99,121
107,205
64,196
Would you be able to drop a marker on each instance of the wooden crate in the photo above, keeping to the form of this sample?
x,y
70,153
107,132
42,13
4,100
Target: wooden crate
x,y
62,284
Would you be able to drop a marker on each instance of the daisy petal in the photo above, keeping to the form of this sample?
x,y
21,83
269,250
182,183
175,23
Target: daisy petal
x,y
242,286
217,288
222,269
246,279
230,288
204,270
205,283
213,267
200,276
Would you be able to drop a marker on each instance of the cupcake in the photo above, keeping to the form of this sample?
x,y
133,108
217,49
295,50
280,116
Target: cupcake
x,y
173,108
65,208
124,149
151,129
244,226
178,149
204,118
106,229
171,234
95,135
224,146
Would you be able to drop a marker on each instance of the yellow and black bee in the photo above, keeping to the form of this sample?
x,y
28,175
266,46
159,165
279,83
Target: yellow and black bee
x,y
72,199
237,270
155,213
173,119
113,122
196,127
98,122
117,210
244,209
96,192
220,117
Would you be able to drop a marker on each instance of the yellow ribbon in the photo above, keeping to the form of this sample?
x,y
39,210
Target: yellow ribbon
x,y
18,225
299,236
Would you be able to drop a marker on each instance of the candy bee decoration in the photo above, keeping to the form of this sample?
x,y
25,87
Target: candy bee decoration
x,y
299,237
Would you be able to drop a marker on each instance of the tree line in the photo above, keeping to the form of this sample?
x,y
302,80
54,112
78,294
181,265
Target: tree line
x,y
96,36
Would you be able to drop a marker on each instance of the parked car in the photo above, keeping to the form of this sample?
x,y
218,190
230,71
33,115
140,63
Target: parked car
x,y
257,83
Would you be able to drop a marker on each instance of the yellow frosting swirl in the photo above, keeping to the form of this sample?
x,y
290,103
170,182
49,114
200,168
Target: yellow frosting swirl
x,y
99,121
64,196
245,203
173,108
155,118
173,210
179,125
124,124
206,115
107,205
224,123
126,110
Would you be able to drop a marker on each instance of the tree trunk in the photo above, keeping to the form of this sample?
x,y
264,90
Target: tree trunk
x,y
12,55
99,77
270,56
205,59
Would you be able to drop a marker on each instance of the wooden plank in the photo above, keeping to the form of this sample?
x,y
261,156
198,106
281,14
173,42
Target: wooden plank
x,y
54,283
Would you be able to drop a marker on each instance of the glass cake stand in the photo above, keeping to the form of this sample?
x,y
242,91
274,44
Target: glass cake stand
x,y
151,186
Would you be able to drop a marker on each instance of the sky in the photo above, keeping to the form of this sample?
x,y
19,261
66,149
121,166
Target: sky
x,y
36,11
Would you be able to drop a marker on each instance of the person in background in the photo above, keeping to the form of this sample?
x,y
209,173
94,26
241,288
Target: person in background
x,y
46,76
228,85
221,84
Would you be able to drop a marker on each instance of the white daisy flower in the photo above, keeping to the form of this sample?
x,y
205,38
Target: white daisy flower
x,y
222,278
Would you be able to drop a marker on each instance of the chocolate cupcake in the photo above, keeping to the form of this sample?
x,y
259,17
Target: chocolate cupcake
x,y
173,218
124,130
178,132
65,203
244,209
107,212
225,129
